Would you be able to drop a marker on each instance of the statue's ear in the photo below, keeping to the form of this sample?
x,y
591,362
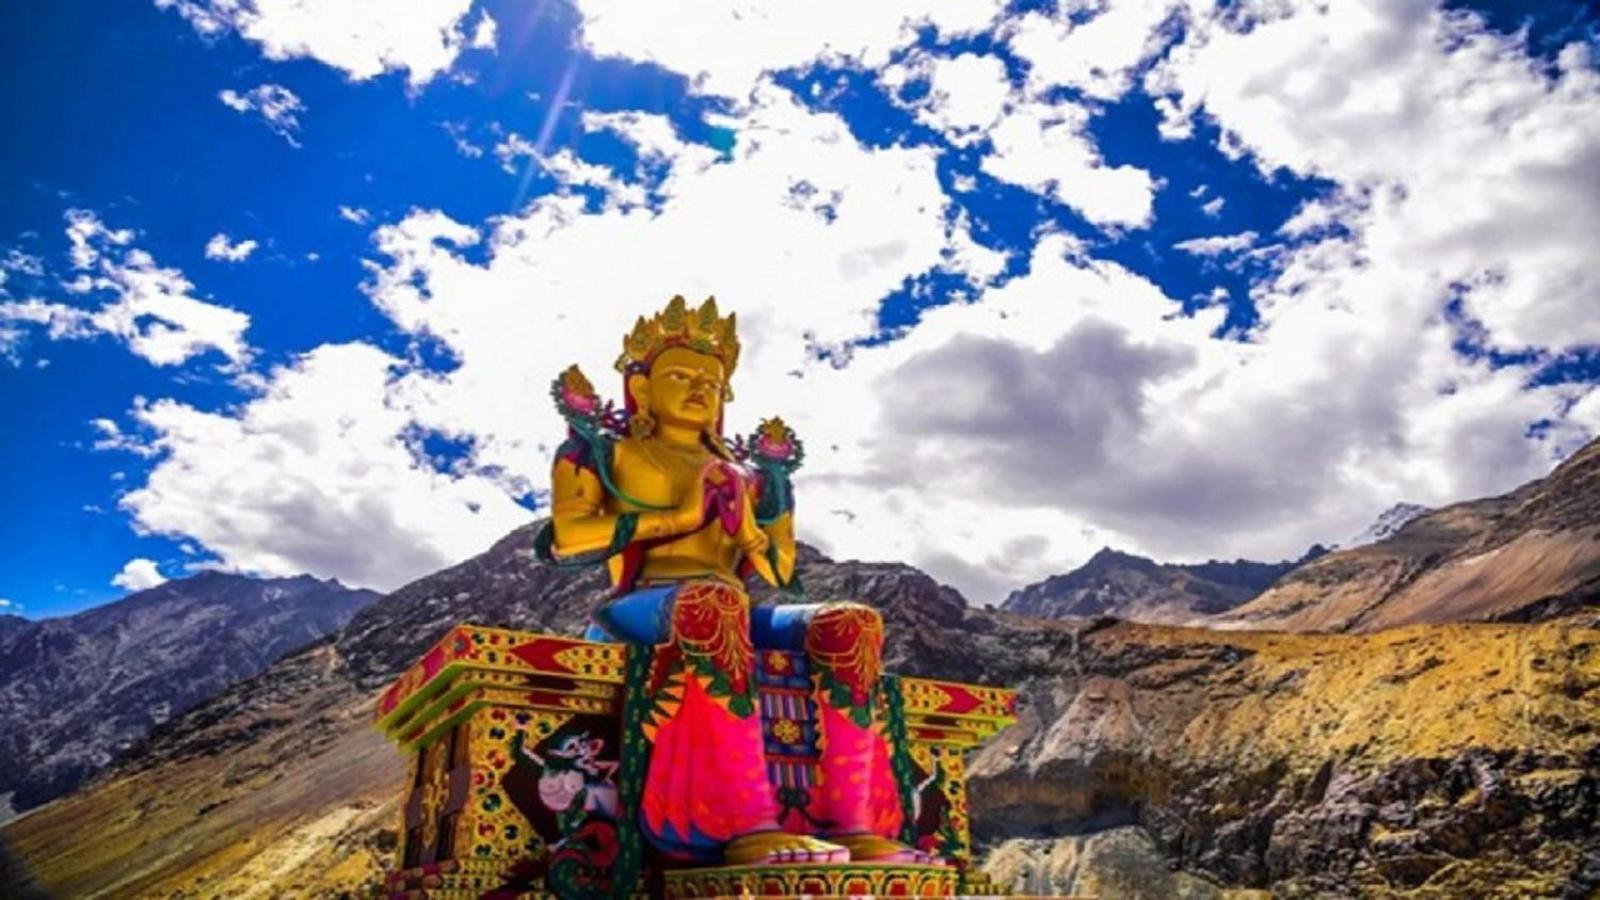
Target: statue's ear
x,y
639,390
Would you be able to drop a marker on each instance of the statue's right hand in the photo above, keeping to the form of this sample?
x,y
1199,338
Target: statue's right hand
x,y
691,511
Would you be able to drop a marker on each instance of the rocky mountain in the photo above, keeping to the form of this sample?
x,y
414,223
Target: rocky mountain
x,y
1531,554
1388,522
77,690
10,624
1150,761
1133,587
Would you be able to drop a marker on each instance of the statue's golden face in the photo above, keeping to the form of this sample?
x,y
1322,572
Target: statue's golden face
x,y
685,388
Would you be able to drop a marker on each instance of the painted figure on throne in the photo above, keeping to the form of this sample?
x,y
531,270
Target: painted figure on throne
x,y
682,516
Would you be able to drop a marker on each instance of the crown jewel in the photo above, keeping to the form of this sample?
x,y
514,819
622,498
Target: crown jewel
x,y
702,330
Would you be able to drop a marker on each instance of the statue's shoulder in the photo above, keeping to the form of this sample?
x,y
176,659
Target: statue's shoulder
x,y
625,449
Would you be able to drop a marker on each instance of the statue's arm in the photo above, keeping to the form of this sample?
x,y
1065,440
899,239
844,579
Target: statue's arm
x,y
780,532
583,525
776,453
577,510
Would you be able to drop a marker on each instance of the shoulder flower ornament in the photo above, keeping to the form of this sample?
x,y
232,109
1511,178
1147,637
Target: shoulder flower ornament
x,y
586,414
574,394
774,444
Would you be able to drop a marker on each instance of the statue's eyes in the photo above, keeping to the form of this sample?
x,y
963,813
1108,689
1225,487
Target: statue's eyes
x,y
694,379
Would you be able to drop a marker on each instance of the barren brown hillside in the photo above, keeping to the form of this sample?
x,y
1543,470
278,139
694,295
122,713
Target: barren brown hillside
x,y
1531,554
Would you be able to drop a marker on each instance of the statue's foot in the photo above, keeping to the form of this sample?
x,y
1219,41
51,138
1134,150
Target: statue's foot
x,y
781,847
875,848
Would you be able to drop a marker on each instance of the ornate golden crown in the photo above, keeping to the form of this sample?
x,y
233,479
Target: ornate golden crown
x,y
702,330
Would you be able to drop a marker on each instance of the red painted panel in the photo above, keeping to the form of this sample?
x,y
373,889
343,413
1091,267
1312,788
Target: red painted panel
x,y
540,653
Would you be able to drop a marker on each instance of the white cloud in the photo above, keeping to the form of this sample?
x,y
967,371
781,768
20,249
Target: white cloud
x,y
1463,155
1216,245
484,33
221,248
513,148
856,224
139,575
570,171
60,321
354,214
11,340
148,307
7,604
1074,397
16,261
754,37
1095,53
278,107
112,437
517,155
458,135
317,474
1043,147
1317,215
653,138
362,38
966,95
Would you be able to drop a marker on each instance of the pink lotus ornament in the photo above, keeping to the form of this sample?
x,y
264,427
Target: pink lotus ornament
x,y
576,394
776,441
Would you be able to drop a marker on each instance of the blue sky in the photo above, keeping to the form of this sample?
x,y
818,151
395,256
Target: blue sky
x,y
1146,222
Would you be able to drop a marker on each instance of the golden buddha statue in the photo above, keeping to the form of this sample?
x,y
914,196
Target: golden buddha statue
x,y
681,517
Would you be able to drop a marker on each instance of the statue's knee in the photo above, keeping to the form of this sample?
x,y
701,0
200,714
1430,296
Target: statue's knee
x,y
843,624
710,613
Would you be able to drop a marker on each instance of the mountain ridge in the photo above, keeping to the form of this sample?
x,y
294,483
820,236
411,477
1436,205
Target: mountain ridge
x,y
1137,588
1531,553
77,690
1387,523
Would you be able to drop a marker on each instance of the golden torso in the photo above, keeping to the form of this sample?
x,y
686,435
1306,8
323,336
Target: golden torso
x,y
661,474
680,402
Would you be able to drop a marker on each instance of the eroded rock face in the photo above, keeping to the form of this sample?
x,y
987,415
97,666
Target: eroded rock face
x,y
1119,862
1459,760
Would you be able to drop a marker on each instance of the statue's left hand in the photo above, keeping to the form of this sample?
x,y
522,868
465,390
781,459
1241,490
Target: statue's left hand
x,y
734,505
725,490
755,541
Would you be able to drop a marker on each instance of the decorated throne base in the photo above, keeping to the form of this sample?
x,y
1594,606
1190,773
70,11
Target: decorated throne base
x,y
515,743
825,880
